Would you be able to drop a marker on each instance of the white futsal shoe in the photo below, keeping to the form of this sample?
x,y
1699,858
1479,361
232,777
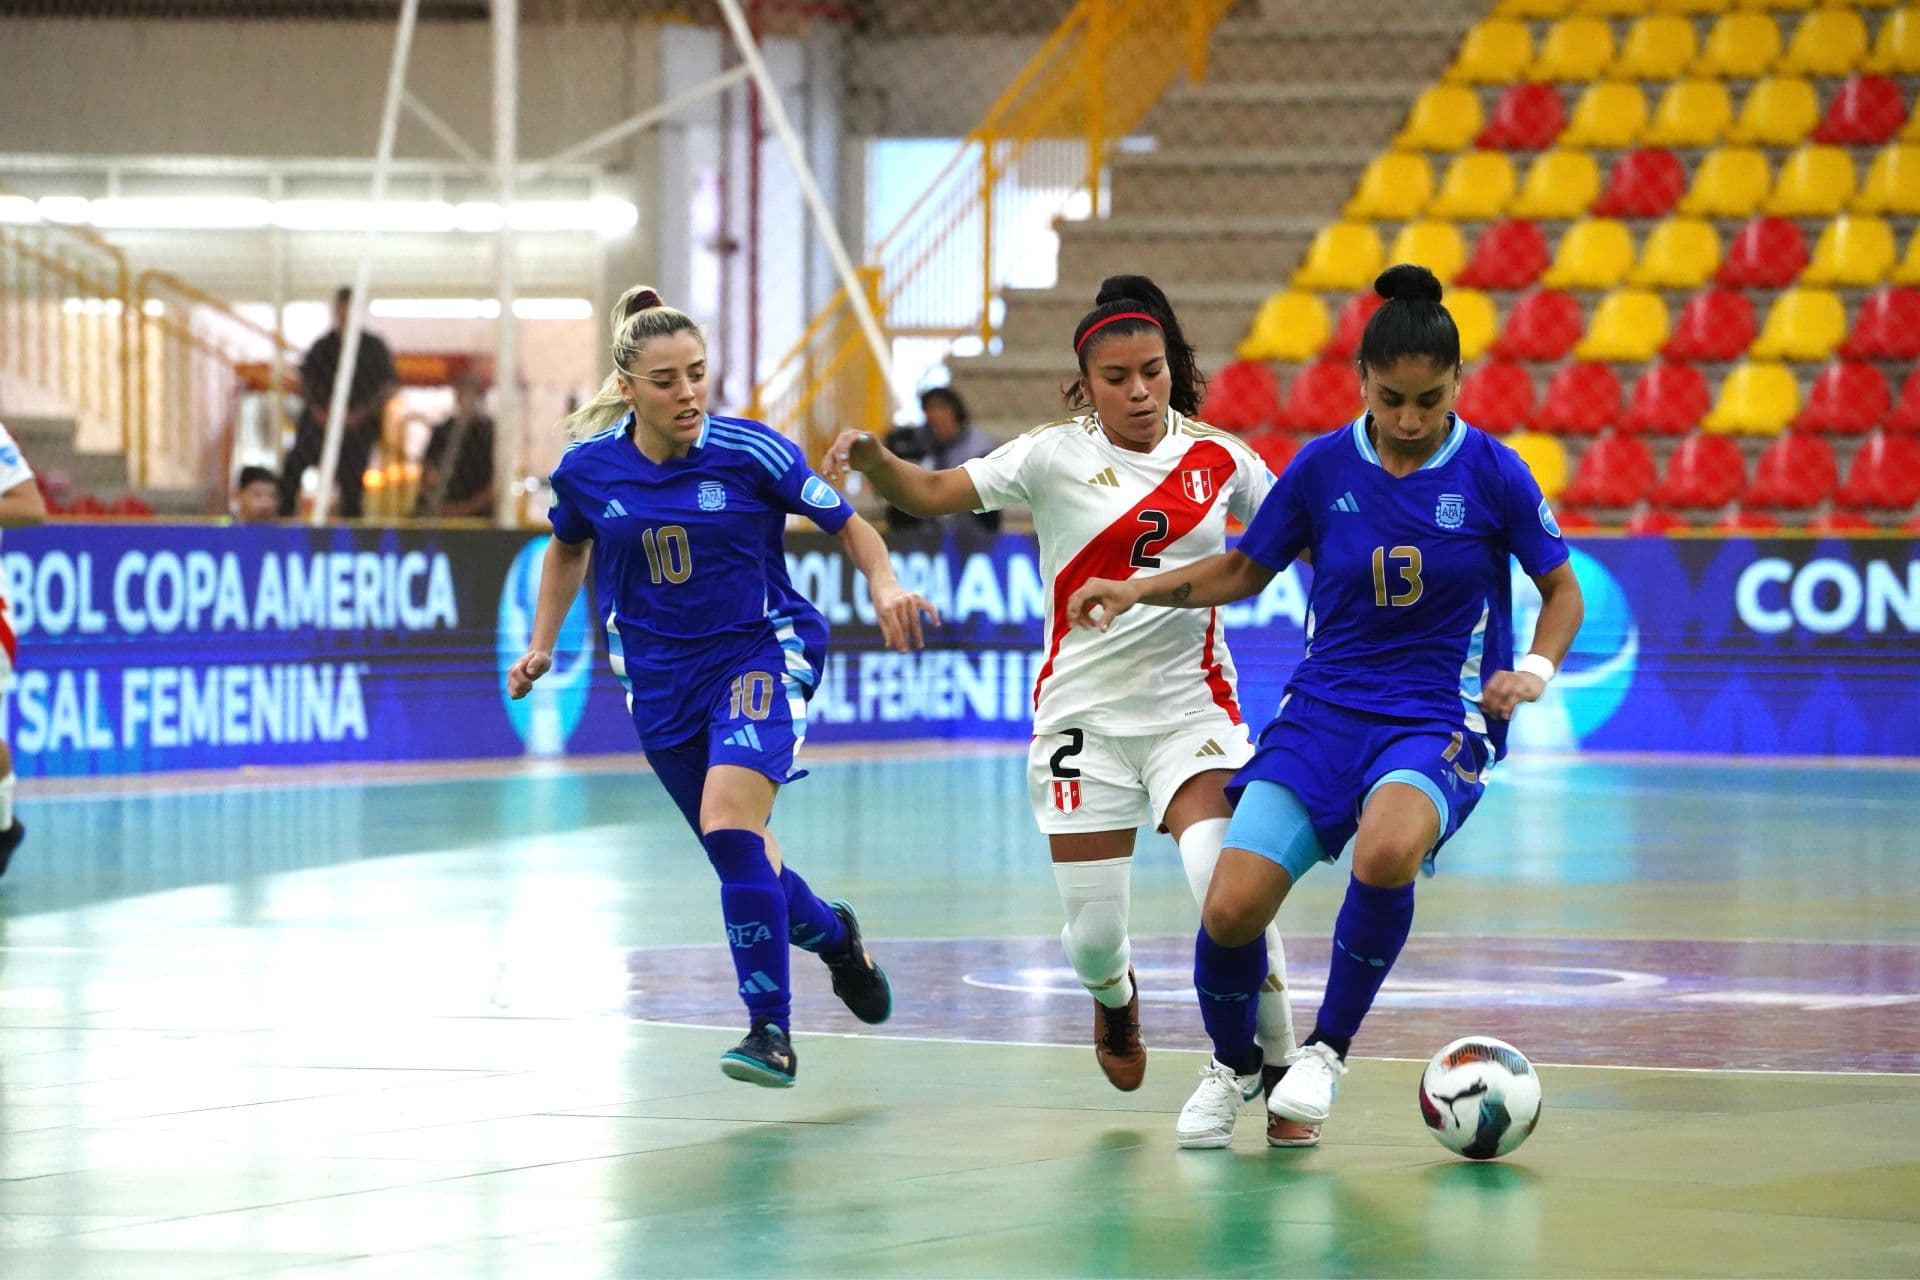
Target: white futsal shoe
x,y
1305,1094
1207,1119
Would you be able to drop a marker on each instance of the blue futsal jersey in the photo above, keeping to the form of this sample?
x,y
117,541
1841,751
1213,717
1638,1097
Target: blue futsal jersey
x,y
690,570
1412,598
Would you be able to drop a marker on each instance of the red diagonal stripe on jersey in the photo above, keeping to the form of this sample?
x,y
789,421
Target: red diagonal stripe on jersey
x,y
7,641
1108,554
1216,678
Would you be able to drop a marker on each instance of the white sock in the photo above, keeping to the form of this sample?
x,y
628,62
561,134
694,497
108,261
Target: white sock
x,y
1200,847
6,802
1095,895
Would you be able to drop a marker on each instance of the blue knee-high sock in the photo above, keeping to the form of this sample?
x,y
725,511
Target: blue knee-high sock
x,y
1227,980
812,924
755,908
1367,937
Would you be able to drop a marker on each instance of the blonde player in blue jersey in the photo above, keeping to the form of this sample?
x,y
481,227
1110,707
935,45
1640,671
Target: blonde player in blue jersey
x,y
683,513
1389,724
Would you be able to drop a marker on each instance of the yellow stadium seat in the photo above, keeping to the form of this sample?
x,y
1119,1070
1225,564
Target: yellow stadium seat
x,y
1607,114
1691,113
1595,253
1495,51
1545,456
1612,8
1814,182
1660,46
1529,8
1778,112
1574,49
1628,325
1728,183
1893,182
1289,326
1559,184
1445,117
1396,186
1477,319
1852,251
1344,255
1827,42
1742,45
1896,49
1680,253
1907,270
1477,186
1756,399
1802,324
1437,246
1779,4
1692,6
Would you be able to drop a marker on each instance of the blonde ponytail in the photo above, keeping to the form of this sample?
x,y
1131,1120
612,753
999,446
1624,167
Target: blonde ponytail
x,y
638,317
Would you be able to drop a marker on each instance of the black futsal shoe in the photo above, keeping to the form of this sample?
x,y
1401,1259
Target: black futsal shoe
x,y
765,1057
9,841
860,983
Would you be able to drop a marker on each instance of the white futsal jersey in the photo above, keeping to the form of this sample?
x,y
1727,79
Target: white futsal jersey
x,y
14,472
1101,511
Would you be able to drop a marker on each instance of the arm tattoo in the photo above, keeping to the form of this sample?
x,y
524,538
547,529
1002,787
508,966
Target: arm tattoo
x,y
1181,592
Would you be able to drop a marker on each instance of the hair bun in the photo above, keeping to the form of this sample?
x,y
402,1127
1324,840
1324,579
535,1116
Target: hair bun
x,y
1408,282
1136,289
640,298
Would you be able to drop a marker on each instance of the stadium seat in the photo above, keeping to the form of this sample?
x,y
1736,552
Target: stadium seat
x,y
1350,324
1575,49
1757,399
1611,8
1767,254
1668,400
1437,246
1395,187
1495,51
1543,325
1866,111
1445,117
1496,396
1739,46
1907,270
1510,254
1887,328
1692,6
1705,471
1679,253
1477,319
1476,186
1659,46
1615,471
1750,523
1827,42
1242,396
1275,450
1606,114
1324,394
1529,8
1777,113
1526,117
1574,520
1852,251
1691,113
1904,417
1814,182
1849,397
1545,457
1885,475
1893,182
1646,183
1796,473
1595,253
1716,324
1896,47
1343,256
1559,184
131,506
1842,522
1582,399
1654,522
1727,183
1290,325
1628,325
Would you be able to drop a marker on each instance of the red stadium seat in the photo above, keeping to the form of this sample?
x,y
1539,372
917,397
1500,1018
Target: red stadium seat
x,y
1865,112
1746,522
1904,418
1527,117
85,504
1510,254
1274,449
1654,521
1887,328
1352,322
1668,400
1574,520
1543,325
1716,324
1885,475
1841,522
1242,396
1705,471
1643,184
1324,394
1768,253
1581,400
1796,473
1617,471
129,505
1496,397
1848,398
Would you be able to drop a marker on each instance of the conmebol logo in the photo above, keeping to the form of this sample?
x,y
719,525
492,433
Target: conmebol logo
x,y
547,717
1594,680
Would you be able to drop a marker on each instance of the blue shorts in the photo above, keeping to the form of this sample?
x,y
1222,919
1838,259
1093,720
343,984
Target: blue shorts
x,y
1332,758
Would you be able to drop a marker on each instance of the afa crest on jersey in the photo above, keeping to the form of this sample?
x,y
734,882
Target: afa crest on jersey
x,y
1451,512
712,495
1197,483
1066,795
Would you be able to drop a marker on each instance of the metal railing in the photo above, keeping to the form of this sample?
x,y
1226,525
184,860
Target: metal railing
x,y
65,323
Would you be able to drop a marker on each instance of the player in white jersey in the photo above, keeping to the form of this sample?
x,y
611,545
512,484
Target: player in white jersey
x,y
1141,724
20,504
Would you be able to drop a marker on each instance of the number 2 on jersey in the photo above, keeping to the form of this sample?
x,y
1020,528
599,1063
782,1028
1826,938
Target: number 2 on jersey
x,y
1406,566
669,558
1142,556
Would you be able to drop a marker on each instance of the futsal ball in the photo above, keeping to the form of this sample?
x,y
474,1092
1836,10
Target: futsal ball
x,y
1480,1097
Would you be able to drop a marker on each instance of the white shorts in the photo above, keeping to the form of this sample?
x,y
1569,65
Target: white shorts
x,y
1081,781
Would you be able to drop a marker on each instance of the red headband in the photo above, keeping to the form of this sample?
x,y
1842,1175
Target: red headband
x,y
1124,315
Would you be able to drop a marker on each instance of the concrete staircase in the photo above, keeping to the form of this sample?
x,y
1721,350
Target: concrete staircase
x,y
49,442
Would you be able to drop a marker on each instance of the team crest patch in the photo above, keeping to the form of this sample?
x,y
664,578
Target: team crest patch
x,y
1452,511
1066,795
818,493
1197,483
1547,521
712,495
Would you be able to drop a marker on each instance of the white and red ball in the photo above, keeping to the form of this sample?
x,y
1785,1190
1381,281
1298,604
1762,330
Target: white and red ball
x,y
1480,1097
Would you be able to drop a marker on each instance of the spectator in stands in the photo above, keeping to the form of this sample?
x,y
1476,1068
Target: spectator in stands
x,y
457,476
20,504
374,382
256,498
947,439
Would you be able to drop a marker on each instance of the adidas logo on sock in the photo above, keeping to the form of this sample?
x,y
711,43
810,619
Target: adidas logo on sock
x,y
1346,503
758,983
744,736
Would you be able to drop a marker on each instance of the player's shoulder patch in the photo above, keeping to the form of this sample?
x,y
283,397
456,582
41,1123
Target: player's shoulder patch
x,y
818,493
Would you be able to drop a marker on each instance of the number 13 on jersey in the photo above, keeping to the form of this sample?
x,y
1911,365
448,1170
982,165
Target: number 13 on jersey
x,y
1407,587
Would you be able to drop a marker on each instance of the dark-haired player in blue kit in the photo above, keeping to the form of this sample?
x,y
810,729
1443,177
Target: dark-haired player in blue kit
x,y
684,515
1398,709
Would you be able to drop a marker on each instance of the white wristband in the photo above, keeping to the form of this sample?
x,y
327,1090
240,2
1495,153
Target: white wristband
x,y
1535,664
